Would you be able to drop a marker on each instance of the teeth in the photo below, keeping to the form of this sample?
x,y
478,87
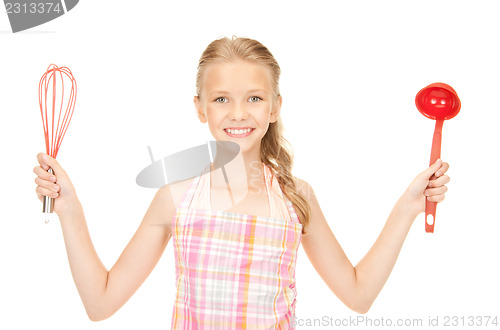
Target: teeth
x,y
238,131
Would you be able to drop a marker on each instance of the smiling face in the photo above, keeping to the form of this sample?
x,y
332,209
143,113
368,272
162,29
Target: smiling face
x,y
238,102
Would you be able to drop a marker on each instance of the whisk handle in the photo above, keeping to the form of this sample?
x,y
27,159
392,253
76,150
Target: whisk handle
x,y
48,202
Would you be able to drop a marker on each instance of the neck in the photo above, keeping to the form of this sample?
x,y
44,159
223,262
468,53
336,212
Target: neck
x,y
245,170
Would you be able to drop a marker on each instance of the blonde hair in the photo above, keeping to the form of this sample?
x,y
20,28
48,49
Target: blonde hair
x,y
275,150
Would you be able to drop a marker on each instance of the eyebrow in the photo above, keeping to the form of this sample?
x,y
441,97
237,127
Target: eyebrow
x,y
250,91
256,90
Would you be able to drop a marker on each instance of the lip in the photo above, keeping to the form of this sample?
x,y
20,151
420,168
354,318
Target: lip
x,y
238,135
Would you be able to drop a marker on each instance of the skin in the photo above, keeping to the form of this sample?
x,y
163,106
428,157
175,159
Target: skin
x,y
247,101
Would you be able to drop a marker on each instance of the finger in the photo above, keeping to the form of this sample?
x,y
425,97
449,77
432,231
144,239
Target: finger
x,y
42,163
40,196
442,170
436,198
442,180
46,192
435,191
38,170
46,184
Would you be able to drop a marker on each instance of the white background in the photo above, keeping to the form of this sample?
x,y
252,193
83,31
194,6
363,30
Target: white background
x,y
351,70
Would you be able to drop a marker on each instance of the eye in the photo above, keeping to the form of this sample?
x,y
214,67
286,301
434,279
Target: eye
x,y
254,99
221,99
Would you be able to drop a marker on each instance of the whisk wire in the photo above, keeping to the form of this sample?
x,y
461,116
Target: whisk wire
x,y
54,132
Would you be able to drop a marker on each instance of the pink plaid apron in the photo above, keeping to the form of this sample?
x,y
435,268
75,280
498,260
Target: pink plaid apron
x,y
235,271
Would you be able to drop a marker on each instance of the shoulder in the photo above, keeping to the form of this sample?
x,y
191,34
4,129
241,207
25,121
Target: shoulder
x,y
301,185
304,188
166,201
172,193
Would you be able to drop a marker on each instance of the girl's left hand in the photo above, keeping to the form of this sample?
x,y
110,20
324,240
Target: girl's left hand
x,y
430,184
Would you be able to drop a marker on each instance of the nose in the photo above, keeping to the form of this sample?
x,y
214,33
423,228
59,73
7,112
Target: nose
x,y
238,112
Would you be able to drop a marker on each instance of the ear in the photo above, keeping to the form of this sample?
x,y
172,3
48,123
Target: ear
x,y
276,109
199,110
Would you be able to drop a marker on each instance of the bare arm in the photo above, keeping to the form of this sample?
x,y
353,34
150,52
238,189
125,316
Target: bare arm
x,y
103,292
358,286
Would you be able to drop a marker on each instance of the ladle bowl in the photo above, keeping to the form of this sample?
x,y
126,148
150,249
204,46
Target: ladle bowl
x,y
439,102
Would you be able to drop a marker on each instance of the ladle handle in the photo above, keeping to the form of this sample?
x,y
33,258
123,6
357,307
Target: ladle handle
x,y
430,207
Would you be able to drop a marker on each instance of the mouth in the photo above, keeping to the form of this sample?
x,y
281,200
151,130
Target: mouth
x,y
239,132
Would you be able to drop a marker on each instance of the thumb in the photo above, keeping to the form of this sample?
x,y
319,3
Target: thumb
x,y
419,184
431,169
50,162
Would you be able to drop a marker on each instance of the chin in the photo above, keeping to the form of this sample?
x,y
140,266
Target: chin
x,y
245,146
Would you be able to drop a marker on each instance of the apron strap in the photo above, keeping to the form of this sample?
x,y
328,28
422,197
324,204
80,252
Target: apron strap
x,y
188,195
291,210
277,196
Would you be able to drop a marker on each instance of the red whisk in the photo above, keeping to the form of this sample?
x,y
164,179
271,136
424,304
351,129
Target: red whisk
x,y
56,106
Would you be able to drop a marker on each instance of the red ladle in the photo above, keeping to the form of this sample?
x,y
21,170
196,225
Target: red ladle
x,y
440,102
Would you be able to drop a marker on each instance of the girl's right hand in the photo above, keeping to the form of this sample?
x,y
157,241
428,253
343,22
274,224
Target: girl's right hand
x,y
57,185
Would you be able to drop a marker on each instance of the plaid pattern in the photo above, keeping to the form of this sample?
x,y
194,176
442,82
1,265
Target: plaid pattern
x,y
234,271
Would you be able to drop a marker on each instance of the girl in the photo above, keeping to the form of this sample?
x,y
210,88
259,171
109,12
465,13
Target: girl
x,y
235,261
